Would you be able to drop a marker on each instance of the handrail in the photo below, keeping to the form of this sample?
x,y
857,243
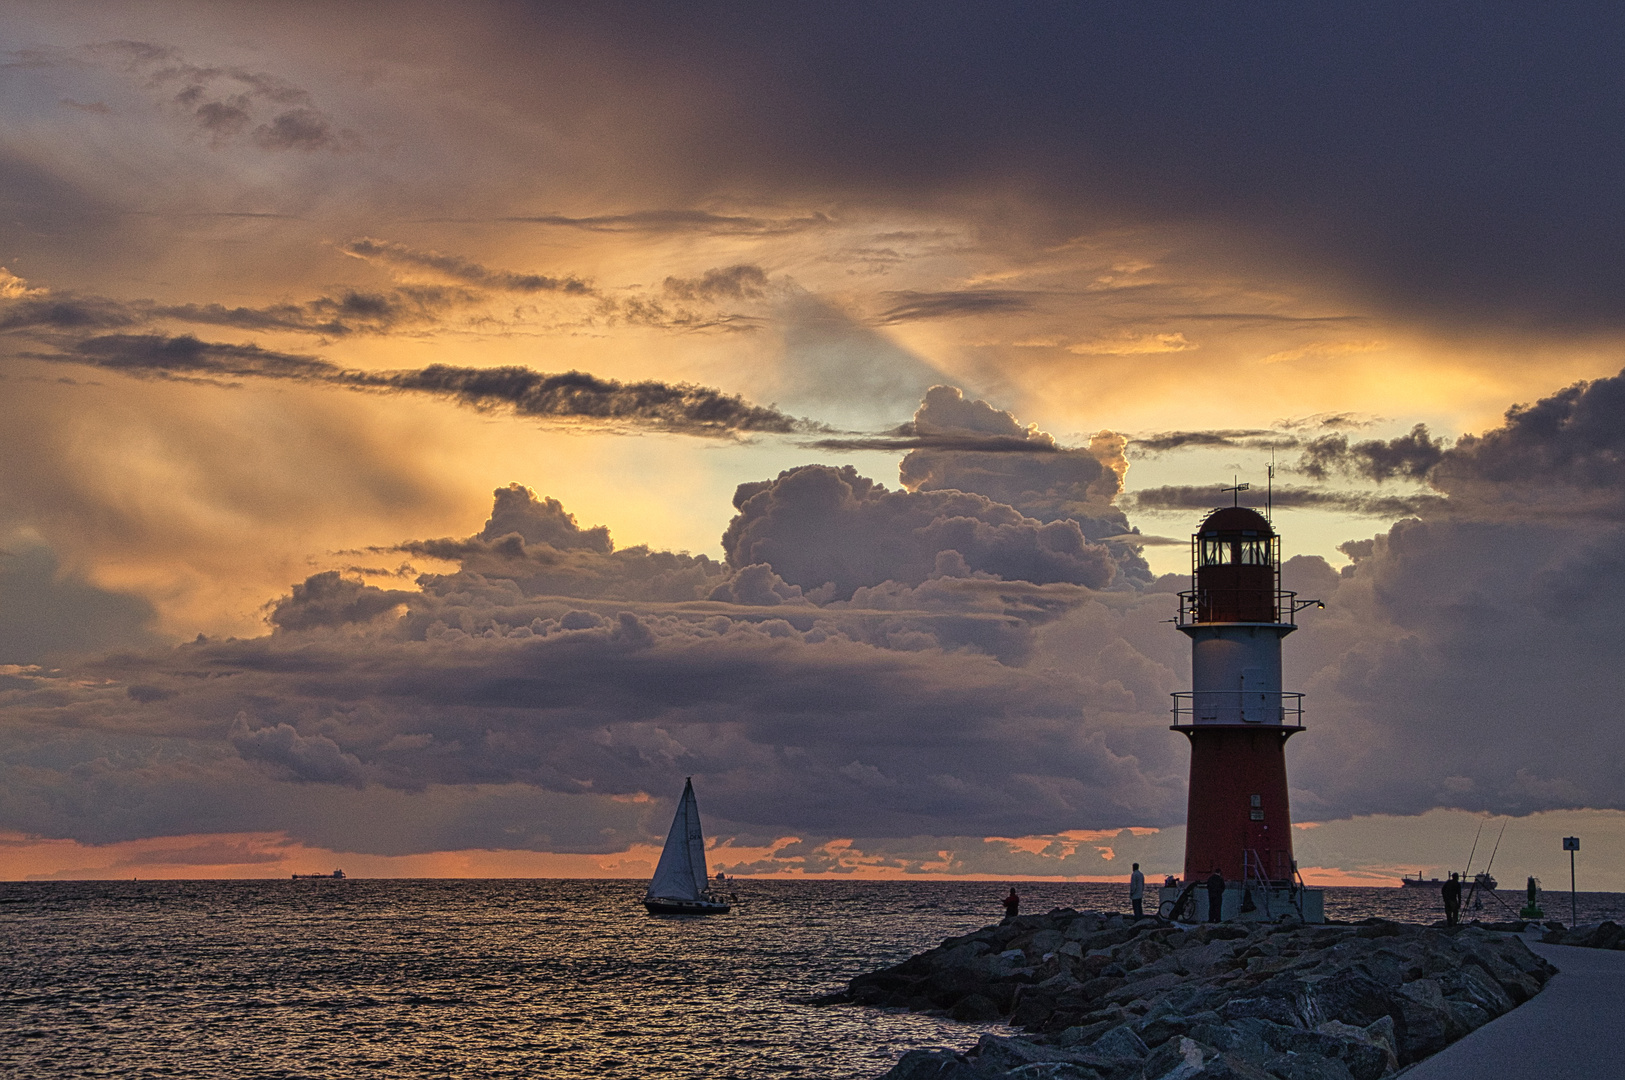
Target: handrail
x,y
1286,705
1193,603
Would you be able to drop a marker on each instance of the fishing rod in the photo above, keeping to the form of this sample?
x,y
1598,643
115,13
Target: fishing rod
x,y
1468,872
1497,846
1472,895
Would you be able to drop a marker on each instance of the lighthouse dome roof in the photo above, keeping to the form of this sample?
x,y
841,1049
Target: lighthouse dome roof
x,y
1235,519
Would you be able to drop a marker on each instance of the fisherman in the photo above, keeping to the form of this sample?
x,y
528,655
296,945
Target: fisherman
x,y
1136,890
1012,904
1215,896
1451,890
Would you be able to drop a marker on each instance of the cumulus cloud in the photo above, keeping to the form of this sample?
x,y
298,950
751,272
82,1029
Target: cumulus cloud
x,y
1029,471
826,528
309,758
868,663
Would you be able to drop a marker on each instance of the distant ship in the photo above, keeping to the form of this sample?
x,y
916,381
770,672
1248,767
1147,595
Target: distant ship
x,y
337,875
1483,880
1418,882
681,885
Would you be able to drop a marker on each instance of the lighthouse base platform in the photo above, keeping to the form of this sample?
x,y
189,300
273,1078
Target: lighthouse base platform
x,y
1250,903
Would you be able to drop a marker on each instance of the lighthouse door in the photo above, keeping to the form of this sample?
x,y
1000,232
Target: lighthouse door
x,y
1254,697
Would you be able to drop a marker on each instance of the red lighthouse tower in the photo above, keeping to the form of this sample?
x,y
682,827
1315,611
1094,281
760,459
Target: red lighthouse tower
x,y
1238,718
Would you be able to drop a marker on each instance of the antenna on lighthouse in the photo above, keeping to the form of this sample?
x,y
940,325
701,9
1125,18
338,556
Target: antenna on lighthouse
x,y
1269,491
1235,491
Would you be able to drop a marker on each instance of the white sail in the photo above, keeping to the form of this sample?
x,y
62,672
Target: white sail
x,y
681,874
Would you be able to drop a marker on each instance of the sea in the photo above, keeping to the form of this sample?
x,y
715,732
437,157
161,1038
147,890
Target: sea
x,y
442,978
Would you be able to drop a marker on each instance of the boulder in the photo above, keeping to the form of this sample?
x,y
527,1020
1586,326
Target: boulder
x,y
1104,998
976,1009
933,1065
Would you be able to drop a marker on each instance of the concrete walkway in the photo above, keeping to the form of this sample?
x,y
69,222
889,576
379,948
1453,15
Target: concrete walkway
x,y
1573,1028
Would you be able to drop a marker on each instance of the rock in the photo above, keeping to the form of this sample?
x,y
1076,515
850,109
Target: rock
x,y
976,1009
1178,1059
1603,935
1230,1067
1104,998
1120,1042
1102,986
1424,1020
932,1065
1310,1067
1045,941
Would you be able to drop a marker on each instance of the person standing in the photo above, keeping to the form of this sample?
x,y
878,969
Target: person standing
x,y
1136,891
1012,904
1215,896
1451,890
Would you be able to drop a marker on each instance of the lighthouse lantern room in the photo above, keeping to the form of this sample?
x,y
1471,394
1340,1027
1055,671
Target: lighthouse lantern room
x,y
1238,720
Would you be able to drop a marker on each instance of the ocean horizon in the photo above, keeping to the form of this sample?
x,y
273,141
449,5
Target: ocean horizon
x,y
567,978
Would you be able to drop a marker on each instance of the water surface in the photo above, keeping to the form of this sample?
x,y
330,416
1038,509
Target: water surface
x,y
227,979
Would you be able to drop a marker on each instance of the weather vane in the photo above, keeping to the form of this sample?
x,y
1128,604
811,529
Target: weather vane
x,y
1235,491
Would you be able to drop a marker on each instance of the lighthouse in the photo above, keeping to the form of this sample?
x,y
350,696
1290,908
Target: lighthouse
x,y
1238,719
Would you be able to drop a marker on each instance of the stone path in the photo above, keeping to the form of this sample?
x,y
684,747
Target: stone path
x,y
1572,1028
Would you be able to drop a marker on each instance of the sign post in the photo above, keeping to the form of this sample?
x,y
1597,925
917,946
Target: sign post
x,y
1571,844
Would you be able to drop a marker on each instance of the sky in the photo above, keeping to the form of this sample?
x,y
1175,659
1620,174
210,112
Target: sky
x,y
429,434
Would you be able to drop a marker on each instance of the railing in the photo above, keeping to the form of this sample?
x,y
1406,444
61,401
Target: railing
x,y
1254,874
1197,606
1274,707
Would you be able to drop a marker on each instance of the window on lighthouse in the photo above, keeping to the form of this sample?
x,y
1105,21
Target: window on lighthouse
x,y
1236,552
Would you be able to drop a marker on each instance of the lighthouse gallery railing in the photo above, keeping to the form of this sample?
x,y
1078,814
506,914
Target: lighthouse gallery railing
x,y
1197,606
1196,707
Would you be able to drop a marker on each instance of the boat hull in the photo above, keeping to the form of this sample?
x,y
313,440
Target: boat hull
x,y
659,906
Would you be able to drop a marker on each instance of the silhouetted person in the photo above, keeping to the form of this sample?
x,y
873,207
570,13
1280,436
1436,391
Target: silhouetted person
x,y
1451,890
1012,904
1136,890
1215,896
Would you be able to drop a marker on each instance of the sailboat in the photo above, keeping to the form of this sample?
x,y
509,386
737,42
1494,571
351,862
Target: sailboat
x,y
681,885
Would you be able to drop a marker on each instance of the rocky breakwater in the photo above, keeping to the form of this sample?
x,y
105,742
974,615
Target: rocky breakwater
x,y
1104,997
1604,935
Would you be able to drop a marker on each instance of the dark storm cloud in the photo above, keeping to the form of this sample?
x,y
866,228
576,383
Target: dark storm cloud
x,y
909,306
1407,457
1366,503
1458,169
572,395
1573,440
460,269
